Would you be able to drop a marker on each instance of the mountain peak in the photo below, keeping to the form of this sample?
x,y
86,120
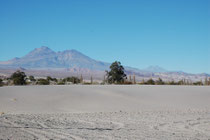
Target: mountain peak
x,y
43,48
42,51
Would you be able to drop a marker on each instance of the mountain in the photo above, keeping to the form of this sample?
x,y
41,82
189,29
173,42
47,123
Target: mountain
x,y
44,57
45,62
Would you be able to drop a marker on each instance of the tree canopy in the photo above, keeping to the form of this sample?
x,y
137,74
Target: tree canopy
x,y
72,79
19,78
31,78
1,82
42,81
116,74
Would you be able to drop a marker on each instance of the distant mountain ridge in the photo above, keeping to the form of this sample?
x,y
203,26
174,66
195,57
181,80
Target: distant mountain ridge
x,y
44,61
44,57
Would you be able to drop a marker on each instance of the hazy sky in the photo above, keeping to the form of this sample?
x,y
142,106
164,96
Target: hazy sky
x,y
174,34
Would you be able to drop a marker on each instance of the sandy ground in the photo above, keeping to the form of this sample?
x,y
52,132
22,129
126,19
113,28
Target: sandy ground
x,y
105,112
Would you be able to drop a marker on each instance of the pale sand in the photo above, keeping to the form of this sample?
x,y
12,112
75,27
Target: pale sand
x,y
105,112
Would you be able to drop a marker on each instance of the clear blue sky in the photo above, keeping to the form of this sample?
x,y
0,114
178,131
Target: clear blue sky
x,y
174,34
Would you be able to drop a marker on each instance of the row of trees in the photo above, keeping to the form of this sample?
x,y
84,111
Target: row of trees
x,y
116,75
180,82
20,78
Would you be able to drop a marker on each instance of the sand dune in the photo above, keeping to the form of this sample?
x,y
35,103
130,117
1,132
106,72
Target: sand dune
x,y
105,112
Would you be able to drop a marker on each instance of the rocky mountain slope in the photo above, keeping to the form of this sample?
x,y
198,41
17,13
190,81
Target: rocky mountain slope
x,y
46,58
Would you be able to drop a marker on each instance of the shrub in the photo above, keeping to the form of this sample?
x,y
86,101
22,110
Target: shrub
x,y
72,79
31,78
181,82
54,79
172,83
61,83
160,82
87,83
1,82
150,82
49,78
19,78
43,82
198,83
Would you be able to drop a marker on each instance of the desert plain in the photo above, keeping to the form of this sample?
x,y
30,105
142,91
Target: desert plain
x,y
105,112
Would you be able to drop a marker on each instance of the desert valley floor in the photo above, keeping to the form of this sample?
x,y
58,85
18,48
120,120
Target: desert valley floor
x,y
105,112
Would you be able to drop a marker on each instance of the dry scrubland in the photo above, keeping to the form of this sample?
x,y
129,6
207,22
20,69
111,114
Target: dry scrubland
x,y
105,112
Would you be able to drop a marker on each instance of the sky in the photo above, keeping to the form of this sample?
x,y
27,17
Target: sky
x,y
173,34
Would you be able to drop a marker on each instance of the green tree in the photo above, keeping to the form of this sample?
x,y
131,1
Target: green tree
x,y
42,81
160,82
198,83
19,78
31,78
116,73
150,82
1,82
72,79
172,83
61,82
49,78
